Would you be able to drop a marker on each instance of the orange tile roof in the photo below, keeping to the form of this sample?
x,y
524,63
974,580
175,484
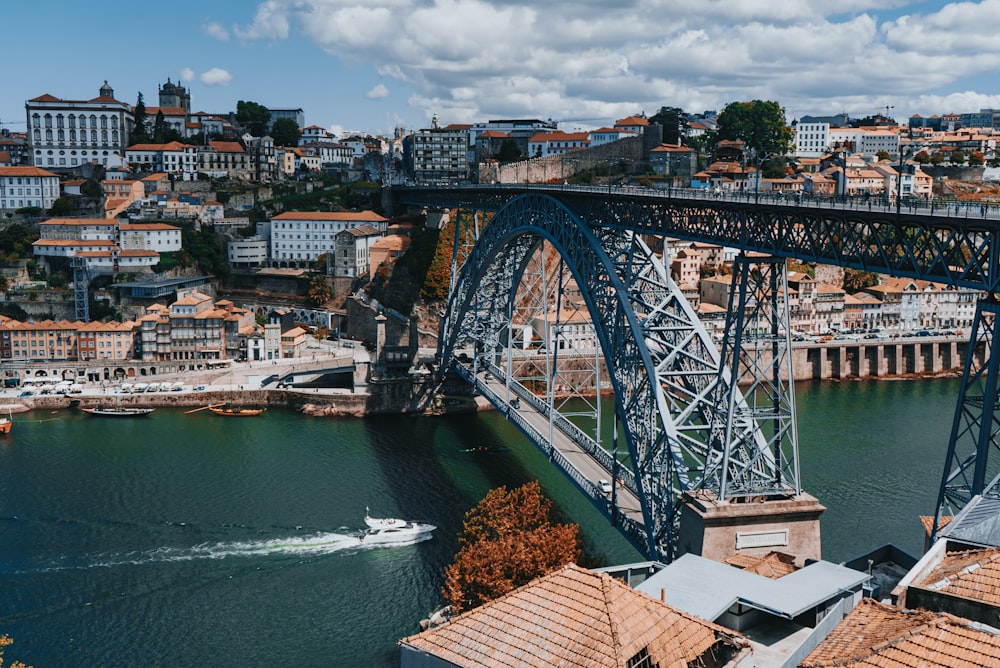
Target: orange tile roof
x,y
927,521
771,565
24,171
632,120
876,635
572,617
972,574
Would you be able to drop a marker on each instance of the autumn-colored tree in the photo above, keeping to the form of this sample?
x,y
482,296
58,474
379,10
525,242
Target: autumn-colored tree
x,y
856,280
508,540
438,276
5,641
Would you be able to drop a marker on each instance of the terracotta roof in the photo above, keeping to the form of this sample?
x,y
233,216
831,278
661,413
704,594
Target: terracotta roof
x,y
227,146
972,574
771,565
146,227
24,171
572,617
170,146
347,216
927,521
632,120
882,636
78,221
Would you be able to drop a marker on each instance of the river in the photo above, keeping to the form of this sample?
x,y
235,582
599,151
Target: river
x,y
199,540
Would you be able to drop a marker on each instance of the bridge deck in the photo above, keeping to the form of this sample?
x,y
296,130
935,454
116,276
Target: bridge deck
x,y
589,468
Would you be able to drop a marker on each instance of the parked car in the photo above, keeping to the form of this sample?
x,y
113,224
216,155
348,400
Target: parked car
x,y
605,485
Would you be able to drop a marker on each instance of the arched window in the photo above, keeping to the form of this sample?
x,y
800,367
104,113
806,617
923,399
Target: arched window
x,y
48,135
38,135
72,120
114,136
93,136
48,120
36,121
104,136
93,120
61,135
59,120
104,121
114,122
72,135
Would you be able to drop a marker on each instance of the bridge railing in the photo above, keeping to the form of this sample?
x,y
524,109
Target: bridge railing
x,y
591,446
875,202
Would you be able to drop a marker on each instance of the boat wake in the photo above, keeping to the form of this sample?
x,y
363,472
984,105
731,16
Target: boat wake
x,y
319,544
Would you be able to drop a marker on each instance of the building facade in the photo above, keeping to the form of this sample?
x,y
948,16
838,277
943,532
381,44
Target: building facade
x,y
301,237
63,134
27,186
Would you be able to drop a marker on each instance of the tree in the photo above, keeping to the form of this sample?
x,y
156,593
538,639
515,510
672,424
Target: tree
x,y
508,540
883,155
139,134
509,152
319,290
977,158
253,117
674,124
285,132
6,640
856,280
759,124
956,157
922,158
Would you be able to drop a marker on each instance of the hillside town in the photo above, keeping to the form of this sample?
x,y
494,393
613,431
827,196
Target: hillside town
x,y
102,204
137,237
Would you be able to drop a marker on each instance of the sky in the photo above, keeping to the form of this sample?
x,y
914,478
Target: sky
x,y
373,65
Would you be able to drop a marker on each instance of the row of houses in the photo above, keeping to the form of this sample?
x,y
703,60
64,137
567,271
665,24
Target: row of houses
x,y
193,328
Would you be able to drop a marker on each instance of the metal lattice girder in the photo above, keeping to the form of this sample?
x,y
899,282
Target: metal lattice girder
x,y
662,364
81,283
975,432
754,440
925,245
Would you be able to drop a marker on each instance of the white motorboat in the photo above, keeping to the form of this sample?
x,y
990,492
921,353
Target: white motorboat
x,y
385,530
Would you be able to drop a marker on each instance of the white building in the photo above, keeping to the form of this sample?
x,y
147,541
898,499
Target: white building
x,y
557,143
812,139
250,252
63,134
302,236
174,158
27,186
107,245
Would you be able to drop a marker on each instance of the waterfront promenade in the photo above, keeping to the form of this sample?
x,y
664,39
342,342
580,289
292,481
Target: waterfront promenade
x,y
249,382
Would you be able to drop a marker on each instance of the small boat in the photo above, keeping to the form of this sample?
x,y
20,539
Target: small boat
x,y
7,423
387,530
117,411
486,449
237,411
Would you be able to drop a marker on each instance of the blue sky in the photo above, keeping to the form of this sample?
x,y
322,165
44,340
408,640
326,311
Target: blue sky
x,y
370,65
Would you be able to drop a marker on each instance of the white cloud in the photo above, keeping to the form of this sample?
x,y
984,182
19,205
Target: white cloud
x,y
216,31
270,21
187,74
378,92
584,61
216,77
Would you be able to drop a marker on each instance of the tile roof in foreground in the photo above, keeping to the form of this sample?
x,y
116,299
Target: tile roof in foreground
x,y
971,574
574,617
876,635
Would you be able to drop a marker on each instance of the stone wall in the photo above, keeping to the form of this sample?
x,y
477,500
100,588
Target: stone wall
x,y
557,168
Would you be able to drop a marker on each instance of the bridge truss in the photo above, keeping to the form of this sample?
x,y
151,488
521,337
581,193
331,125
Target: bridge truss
x,y
938,245
650,346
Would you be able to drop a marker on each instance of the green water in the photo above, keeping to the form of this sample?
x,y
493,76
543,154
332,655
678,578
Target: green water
x,y
194,539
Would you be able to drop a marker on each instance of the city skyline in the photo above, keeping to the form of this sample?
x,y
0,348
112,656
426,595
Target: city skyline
x,y
370,67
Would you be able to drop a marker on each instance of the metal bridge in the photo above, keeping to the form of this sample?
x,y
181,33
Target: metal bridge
x,y
582,265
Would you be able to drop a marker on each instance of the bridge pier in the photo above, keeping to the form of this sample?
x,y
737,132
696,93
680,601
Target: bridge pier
x,y
718,530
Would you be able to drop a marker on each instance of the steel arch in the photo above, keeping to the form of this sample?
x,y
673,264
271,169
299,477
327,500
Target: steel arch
x,y
662,363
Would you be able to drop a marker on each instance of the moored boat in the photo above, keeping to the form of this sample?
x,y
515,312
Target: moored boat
x,y
237,411
116,411
6,423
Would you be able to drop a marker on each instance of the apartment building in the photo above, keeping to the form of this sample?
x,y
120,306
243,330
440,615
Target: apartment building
x,y
301,237
27,186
